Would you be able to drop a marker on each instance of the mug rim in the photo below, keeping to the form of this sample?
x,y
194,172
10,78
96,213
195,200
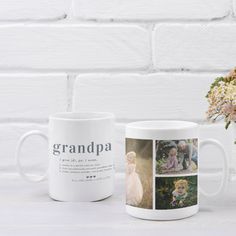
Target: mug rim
x,y
162,125
82,116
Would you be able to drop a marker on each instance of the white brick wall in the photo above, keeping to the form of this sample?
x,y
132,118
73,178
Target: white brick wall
x,y
14,10
74,47
32,96
151,10
139,59
148,96
234,7
198,46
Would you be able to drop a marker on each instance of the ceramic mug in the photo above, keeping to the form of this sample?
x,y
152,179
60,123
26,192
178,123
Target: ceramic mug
x,y
162,169
80,156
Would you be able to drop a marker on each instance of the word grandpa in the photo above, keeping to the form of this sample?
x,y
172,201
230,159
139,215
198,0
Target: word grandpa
x,y
90,148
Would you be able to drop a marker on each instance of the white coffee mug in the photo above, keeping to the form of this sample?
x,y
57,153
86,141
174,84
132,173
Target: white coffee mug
x,y
162,169
80,156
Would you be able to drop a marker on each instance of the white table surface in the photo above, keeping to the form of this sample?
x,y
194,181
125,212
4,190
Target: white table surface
x,y
26,209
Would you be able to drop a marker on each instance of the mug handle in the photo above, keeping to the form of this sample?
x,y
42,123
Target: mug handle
x,y
29,178
225,167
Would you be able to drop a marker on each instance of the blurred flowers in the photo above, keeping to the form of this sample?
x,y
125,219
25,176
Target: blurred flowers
x,y
222,99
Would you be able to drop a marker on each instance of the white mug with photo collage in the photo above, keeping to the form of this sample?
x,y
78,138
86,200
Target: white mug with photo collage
x,y
162,162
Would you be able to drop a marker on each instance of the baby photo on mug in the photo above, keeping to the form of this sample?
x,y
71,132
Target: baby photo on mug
x,y
176,156
176,192
139,173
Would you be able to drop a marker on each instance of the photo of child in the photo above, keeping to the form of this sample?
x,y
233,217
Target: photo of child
x,y
133,183
172,161
139,174
176,192
180,193
176,156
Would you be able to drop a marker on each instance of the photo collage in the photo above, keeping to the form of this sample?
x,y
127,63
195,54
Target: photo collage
x,y
161,174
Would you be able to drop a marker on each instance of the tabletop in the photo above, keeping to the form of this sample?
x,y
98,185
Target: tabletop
x,y
26,209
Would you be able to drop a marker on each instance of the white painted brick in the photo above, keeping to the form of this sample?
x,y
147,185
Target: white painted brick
x,y
34,152
74,47
31,95
33,9
151,10
234,8
155,96
195,46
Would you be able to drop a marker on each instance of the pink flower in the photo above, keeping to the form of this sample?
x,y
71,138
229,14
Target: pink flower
x,y
230,111
228,108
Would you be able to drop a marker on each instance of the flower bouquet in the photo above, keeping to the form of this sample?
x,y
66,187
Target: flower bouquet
x,y
222,99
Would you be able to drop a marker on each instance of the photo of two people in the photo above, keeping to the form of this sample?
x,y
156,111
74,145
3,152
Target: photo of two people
x,y
176,156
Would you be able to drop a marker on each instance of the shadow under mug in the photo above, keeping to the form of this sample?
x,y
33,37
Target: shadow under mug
x,y
162,160
80,156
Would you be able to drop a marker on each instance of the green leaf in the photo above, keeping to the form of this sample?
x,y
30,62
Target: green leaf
x,y
227,125
215,83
